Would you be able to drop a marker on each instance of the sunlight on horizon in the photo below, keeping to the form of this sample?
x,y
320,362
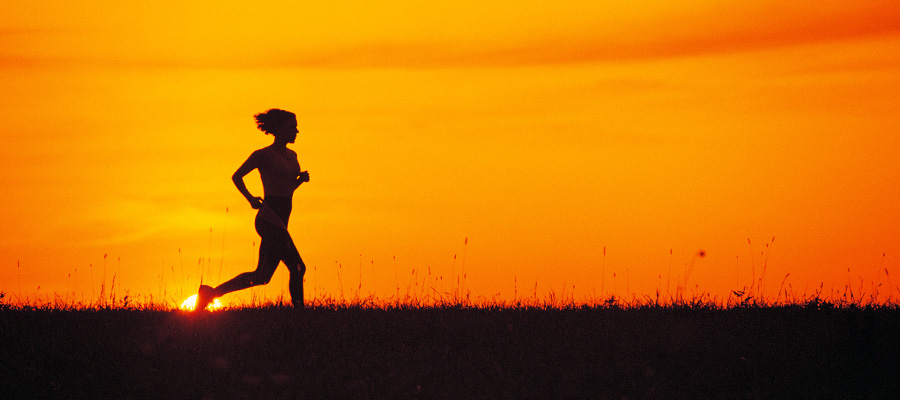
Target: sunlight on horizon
x,y
191,302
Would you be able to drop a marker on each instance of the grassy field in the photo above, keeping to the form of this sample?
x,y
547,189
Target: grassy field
x,y
695,351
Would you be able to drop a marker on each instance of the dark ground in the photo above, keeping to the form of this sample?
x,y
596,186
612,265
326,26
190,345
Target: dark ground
x,y
453,353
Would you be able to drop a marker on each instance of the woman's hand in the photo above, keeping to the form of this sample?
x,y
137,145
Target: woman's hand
x,y
255,202
303,177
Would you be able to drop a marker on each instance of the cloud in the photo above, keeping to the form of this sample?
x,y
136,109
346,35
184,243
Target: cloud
x,y
732,27
499,34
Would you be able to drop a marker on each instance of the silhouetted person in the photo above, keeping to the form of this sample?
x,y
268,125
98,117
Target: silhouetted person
x,y
281,175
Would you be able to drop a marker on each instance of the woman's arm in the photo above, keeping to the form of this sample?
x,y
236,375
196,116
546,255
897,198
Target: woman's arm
x,y
303,176
238,178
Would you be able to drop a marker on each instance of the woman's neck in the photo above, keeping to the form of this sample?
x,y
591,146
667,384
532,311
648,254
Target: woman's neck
x,y
279,144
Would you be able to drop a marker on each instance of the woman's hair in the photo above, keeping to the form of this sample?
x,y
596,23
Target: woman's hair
x,y
268,120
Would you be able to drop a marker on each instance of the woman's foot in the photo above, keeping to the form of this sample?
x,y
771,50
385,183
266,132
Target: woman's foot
x,y
205,295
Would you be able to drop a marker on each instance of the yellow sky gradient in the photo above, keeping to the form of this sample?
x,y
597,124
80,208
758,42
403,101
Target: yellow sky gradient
x,y
542,133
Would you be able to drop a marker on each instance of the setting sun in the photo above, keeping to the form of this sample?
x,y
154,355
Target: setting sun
x,y
189,303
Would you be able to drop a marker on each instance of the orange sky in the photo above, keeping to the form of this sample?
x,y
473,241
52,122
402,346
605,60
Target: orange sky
x,y
542,133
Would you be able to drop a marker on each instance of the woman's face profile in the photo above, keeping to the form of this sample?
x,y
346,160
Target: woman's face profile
x,y
288,129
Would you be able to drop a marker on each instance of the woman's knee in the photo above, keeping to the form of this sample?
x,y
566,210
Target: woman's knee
x,y
299,268
259,278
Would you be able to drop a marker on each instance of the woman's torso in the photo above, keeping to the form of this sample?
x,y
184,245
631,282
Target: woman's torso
x,y
278,169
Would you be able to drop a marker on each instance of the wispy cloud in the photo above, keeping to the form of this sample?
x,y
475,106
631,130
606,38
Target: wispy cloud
x,y
712,30
358,35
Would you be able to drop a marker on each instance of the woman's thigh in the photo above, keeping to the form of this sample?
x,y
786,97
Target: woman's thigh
x,y
276,245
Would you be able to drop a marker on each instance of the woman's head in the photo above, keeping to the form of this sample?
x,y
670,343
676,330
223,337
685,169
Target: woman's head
x,y
277,122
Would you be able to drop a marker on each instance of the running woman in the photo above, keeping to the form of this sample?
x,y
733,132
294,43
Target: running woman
x,y
281,175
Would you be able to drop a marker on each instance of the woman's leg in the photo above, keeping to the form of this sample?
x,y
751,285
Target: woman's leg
x,y
265,268
297,269
295,285
275,245
270,254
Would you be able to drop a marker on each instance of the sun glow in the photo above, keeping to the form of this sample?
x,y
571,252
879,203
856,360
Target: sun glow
x,y
189,304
